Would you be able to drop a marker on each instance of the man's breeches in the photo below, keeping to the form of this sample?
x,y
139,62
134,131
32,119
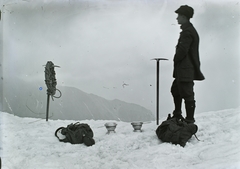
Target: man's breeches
x,y
183,89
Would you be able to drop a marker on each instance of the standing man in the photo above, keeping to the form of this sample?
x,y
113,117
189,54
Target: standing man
x,y
186,65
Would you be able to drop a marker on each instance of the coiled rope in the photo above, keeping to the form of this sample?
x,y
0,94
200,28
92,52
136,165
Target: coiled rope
x,y
51,81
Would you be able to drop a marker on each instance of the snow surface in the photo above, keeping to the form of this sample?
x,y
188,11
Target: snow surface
x,y
29,143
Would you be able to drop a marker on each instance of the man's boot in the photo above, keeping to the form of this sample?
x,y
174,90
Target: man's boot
x,y
190,108
178,107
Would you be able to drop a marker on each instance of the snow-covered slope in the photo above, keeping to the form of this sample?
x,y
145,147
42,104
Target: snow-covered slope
x,y
30,143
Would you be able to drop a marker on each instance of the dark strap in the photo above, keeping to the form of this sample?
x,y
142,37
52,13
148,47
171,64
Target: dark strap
x,y
196,137
60,128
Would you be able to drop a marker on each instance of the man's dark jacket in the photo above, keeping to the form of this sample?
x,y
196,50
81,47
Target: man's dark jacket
x,y
186,59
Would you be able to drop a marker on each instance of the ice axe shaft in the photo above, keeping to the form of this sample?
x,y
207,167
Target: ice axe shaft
x,y
48,96
158,74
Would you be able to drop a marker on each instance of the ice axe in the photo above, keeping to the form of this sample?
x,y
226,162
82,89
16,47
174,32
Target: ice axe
x,y
158,73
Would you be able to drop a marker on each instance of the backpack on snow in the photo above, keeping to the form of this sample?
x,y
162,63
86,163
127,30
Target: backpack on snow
x,y
76,134
176,131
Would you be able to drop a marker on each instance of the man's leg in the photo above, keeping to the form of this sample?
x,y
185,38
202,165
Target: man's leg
x,y
177,103
177,100
190,109
190,103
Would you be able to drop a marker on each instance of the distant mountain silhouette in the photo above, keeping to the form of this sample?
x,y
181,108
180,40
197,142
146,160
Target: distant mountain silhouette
x,y
74,104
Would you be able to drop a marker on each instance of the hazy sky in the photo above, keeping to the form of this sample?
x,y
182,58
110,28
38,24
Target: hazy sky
x,y
100,45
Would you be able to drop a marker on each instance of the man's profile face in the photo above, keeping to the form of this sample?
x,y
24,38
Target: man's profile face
x,y
181,19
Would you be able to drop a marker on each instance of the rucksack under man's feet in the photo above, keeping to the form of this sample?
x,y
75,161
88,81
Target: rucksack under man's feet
x,y
189,121
177,116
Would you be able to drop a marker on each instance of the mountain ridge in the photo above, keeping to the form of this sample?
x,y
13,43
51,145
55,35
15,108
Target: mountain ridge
x,y
74,104
95,107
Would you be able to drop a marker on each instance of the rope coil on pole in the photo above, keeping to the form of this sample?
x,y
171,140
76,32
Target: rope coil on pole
x,y
51,83
51,80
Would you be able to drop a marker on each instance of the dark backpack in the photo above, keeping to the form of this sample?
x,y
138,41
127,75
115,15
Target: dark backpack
x,y
76,134
176,131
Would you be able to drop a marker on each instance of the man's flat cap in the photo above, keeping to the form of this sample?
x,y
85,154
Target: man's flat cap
x,y
186,11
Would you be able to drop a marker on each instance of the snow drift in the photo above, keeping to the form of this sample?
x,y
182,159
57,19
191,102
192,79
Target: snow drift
x,y
30,143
